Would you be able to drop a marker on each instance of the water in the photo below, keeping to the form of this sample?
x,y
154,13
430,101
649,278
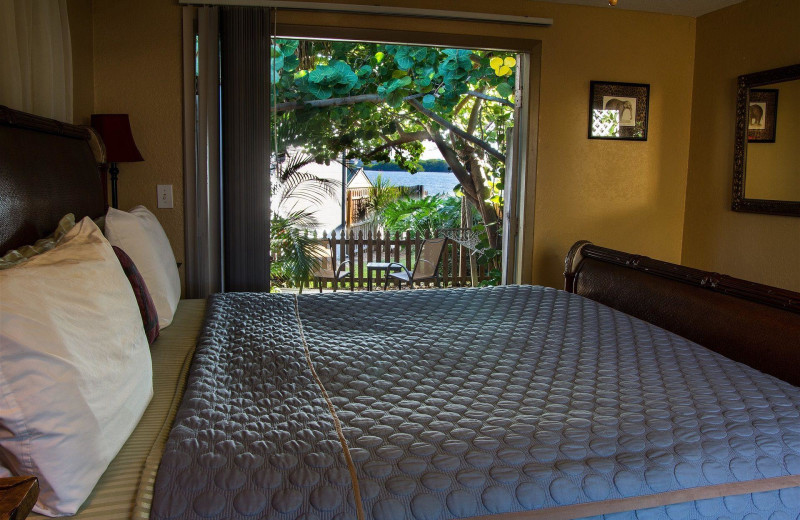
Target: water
x,y
434,182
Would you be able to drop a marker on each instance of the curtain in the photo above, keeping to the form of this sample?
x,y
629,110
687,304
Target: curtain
x,y
245,43
201,143
226,60
36,57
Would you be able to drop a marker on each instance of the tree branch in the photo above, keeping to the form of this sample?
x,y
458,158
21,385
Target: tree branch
x,y
410,137
474,114
451,157
487,97
331,102
460,106
459,132
412,100
336,102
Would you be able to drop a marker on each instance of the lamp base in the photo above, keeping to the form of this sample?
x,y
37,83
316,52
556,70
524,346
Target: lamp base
x,y
114,172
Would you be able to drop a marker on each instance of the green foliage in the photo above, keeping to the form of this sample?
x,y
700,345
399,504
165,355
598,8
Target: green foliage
x,y
426,214
382,193
392,78
426,165
297,252
489,257
440,77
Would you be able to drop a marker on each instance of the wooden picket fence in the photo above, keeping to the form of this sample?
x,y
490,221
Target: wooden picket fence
x,y
365,246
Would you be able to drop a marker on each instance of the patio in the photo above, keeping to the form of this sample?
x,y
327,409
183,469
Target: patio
x,y
368,247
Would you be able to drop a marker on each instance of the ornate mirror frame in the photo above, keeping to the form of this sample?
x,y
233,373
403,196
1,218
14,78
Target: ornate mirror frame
x,y
740,202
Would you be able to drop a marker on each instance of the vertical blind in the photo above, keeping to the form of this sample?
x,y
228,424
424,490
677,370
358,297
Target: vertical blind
x,y
245,46
202,174
226,149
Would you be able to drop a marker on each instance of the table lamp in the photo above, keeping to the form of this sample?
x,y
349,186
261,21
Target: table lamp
x,y
115,130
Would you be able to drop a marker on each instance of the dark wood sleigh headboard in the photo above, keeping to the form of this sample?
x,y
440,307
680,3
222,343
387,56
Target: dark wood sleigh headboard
x,y
748,322
47,169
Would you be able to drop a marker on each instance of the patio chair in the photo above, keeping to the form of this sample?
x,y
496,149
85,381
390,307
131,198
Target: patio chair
x,y
426,267
326,270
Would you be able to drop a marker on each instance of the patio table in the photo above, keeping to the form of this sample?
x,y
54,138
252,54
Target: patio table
x,y
378,267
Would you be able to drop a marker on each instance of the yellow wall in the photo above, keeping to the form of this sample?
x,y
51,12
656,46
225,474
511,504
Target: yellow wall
x,y
620,194
627,195
80,28
138,71
773,169
748,37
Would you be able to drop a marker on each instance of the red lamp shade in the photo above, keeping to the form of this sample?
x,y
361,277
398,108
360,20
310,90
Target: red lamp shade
x,y
115,130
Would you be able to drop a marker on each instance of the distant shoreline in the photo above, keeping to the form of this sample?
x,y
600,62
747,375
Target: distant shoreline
x,y
428,166
434,182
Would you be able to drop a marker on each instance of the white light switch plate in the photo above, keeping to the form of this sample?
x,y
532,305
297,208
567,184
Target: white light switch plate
x,y
164,195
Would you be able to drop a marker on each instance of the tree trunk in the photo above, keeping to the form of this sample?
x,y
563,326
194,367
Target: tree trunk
x,y
488,215
468,173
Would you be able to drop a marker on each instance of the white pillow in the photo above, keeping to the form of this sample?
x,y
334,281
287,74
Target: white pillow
x,y
139,234
75,367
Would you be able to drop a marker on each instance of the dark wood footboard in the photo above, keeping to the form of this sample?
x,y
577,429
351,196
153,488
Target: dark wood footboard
x,y
751,323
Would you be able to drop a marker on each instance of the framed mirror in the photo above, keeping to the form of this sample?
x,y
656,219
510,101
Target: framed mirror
x,y
766,162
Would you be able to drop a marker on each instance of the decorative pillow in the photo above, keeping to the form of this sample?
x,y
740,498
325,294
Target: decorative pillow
x,y
139,234
146,306
75,367
17,256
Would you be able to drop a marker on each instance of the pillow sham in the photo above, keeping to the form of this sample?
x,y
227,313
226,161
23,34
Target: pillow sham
x,y
147,308
24,253
75,367
140,235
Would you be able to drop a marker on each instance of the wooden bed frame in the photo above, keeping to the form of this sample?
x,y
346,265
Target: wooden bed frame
x,y
48,169
748,322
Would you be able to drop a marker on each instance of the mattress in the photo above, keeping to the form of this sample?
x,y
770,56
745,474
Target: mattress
x,y
125,489
511,403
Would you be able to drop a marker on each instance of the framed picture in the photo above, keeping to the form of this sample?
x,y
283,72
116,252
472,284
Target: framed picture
x,y
762,114
618,110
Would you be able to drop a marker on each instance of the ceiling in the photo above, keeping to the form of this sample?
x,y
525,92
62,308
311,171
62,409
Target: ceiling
x,y
678,7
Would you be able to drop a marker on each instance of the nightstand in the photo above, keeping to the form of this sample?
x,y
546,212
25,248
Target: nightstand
x,y
17,497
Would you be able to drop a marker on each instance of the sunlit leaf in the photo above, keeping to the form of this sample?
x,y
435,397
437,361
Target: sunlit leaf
x,y
504,89
320,91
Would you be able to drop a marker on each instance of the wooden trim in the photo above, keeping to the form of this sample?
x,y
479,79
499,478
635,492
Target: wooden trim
x,y
429,12
570,265
711,281
366,34
17,497
10,117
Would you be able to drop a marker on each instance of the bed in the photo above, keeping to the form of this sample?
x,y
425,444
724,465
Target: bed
x,y
512,403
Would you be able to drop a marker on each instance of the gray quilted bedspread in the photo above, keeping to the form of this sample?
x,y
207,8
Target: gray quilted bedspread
x,y
460,403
